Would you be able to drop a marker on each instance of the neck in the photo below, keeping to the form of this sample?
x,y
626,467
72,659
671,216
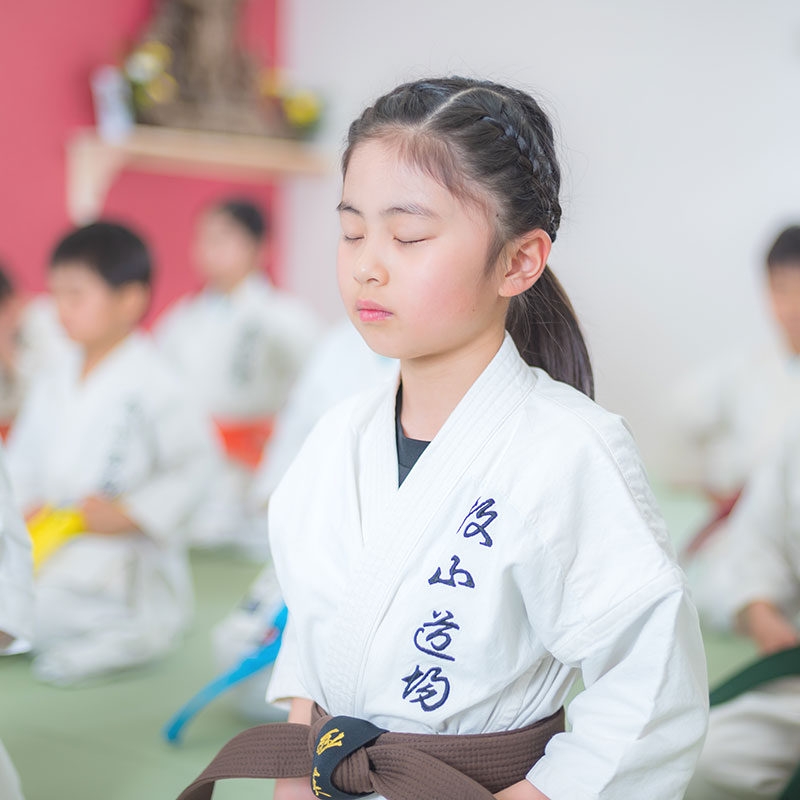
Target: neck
x,y
227,286
434,385
94,353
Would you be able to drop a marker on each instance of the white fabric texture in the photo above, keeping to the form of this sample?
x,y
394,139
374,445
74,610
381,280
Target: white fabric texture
x,y
16,571
342,365
753,743
42,341
760,559
728,417
10,788
239,354
523,548
128,432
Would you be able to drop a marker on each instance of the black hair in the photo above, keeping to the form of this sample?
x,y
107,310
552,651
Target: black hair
x,y
247,215
785,251
113,251
7,289
478,138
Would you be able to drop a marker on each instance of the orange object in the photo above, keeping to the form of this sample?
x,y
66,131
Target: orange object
x,y
5,427
244,441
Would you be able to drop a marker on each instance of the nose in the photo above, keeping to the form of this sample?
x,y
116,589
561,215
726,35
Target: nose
x,y
369,268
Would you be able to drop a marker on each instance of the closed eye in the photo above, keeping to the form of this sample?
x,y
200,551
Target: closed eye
x,y
347,238
409,241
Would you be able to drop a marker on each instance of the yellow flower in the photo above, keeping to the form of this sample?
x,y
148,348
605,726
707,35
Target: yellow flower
x,y
302,109
162,89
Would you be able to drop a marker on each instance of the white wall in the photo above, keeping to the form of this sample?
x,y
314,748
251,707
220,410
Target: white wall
x,y
680,133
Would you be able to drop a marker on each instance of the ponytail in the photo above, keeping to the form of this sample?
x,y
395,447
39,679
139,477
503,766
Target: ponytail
x,y
544,328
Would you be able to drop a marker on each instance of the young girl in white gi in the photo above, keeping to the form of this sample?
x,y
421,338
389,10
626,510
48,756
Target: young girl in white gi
x,y
457,546
110,432
753,744
239,344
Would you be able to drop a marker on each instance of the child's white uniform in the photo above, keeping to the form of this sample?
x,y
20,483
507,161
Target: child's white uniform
x,y
126,431
753,744
239,353
341,366
729,417
523,547
16,602
42,341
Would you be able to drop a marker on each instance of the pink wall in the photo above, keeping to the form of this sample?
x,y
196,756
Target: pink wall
x,y
48,49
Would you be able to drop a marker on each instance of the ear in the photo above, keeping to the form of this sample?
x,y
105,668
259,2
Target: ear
x,y
526,262
135,300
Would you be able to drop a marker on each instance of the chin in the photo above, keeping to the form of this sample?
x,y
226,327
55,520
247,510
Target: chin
x,y
382,345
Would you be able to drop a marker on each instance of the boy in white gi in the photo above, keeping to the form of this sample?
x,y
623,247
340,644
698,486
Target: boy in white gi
x,y
456,546
16,603
728,417
753,743
239,344
110,434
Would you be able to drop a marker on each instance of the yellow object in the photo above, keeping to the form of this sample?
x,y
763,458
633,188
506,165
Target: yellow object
x,y
52,527
302,109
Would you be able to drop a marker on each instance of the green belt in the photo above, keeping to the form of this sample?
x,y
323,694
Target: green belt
x,y
784,664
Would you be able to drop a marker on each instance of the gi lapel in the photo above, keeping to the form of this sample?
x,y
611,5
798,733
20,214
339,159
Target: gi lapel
x,y
396,522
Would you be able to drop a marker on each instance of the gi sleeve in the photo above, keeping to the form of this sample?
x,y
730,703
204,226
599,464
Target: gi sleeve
x,y
605,597
16,572
27,443
285,682
185,460
759,539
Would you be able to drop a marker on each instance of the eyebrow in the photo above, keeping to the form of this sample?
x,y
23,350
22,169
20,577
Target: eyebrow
x,y
413,209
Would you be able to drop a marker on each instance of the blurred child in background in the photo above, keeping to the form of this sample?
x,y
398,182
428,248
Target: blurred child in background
x,y
753,743
109,434
729,416
240,344
16,604
30,338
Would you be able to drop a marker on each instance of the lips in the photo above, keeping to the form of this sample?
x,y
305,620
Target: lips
x,y
371,312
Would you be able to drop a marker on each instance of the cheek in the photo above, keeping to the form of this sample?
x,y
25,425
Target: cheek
x,y
344,270
449,292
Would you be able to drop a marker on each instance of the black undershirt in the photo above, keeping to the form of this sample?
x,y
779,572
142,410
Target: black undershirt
x,y
408,450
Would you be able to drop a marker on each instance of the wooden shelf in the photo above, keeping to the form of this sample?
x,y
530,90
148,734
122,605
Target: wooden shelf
x,y
93,163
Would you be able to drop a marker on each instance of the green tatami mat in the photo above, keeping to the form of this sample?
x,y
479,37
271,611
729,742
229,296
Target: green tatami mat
x,y
103,742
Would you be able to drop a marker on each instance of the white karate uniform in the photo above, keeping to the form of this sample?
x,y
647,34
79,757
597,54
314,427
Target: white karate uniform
x,y
239,353
126,431
342,365
42,341
16,602
753,744
729,417
523,548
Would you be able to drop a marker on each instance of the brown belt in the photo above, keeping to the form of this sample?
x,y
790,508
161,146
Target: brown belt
x,y
346,757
